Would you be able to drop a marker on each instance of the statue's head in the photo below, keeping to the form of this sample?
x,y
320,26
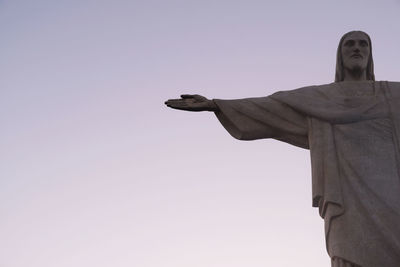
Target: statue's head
x,y
355,55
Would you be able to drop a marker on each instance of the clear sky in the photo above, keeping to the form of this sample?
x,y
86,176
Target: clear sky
x,y
96,171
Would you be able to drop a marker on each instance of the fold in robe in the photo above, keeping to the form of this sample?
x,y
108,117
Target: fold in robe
x,y
337,262
352,131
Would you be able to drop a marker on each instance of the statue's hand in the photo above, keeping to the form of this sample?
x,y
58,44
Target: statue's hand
x,y
192,103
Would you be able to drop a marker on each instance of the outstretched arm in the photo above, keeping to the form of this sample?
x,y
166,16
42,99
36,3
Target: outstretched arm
x,y
192,103
251,118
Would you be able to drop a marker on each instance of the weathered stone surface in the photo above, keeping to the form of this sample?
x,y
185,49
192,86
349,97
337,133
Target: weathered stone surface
x,y
352,128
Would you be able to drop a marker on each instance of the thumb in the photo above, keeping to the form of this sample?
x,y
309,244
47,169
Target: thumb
x,y
187,96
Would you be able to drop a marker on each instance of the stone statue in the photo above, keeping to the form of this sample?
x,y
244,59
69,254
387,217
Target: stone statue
x,y
352,129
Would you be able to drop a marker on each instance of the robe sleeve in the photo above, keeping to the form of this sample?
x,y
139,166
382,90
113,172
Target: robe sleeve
x,y
263,117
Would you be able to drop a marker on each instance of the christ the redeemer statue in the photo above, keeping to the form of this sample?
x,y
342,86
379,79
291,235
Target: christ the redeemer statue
x,y
352,129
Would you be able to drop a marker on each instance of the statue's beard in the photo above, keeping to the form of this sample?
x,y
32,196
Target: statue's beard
x,y
356,70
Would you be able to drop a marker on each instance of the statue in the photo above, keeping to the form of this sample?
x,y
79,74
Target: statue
x,y
352,129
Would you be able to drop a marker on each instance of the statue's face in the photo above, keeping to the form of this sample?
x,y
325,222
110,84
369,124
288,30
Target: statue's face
x,y
355,51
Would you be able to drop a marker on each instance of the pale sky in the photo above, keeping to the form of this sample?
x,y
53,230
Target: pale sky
x,y
96,171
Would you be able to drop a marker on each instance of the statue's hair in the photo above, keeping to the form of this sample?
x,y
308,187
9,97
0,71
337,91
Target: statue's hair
x,y
339,76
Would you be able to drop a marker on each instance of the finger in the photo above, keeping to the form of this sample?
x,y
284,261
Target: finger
x,y
174,100
176,104
187,96
192,96
180,107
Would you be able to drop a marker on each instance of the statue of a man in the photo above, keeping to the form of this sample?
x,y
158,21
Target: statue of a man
x,y
352,128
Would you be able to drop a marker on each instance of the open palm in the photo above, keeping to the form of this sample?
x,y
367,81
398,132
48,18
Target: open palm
x,y
191,103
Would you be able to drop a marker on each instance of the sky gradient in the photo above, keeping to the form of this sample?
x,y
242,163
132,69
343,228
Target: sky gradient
x,y
96,171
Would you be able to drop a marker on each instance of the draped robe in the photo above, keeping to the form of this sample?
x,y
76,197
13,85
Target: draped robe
x,y
353,132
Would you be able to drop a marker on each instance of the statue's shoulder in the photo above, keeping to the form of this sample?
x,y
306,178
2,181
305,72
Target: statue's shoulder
x,y
311,90
307,94
340,89
337,91
394,85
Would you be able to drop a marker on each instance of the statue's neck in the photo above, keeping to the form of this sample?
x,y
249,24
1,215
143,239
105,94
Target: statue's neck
x,y
355,75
